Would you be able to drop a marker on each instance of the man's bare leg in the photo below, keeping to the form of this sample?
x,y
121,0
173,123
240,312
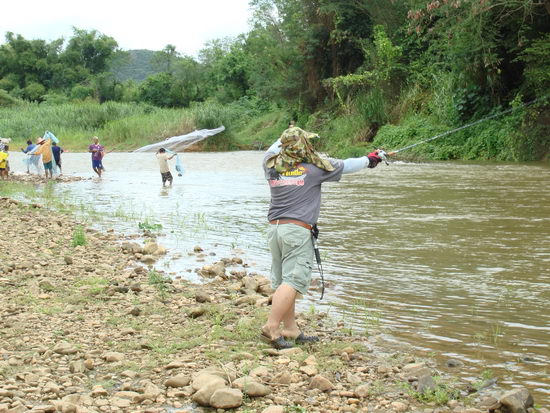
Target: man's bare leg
x,y
282,310
290,328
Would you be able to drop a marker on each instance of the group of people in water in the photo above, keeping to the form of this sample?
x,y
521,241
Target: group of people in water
x,y
47,149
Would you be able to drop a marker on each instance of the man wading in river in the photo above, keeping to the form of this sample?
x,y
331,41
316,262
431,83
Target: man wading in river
x,y
97,151
295,173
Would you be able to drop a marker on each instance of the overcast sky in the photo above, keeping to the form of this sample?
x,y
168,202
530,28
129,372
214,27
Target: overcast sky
x,y
187,24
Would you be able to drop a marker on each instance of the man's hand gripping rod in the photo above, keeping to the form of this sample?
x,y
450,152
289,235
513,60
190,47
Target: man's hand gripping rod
x,y
382,154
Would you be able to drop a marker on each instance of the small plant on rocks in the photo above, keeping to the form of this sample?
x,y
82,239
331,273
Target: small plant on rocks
x,y
79,237
441,394
159,282
149,226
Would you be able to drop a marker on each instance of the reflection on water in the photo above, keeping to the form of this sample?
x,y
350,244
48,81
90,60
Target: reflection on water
x,y
453,258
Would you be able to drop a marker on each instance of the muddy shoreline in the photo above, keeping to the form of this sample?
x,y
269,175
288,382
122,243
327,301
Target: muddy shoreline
x,y
87,324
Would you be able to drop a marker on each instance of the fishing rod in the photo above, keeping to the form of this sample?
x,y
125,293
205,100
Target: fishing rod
x,y
383,155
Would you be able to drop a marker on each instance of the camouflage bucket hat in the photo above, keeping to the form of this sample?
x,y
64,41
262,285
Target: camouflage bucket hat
x,y
296,148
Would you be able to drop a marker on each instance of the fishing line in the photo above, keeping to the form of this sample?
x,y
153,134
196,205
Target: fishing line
x,y
468,125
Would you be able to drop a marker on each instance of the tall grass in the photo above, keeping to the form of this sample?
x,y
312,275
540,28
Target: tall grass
x,y
135,131
123,125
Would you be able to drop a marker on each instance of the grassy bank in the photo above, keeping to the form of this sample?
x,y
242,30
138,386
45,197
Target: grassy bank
x,y
120,126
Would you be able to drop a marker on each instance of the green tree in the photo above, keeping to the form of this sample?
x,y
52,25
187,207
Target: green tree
x,y
81,92
156,90
164,61
89,49
189,85
478,43
34,91
227,65
25,61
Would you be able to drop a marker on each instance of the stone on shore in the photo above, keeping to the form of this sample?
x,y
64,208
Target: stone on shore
x,y
226,398
180,380
516,401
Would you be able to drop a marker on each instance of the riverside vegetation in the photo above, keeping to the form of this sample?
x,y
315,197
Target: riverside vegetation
x,y
88,324
125,127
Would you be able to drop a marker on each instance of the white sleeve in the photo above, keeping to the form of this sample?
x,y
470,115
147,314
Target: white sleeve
x,y
355,164
276,147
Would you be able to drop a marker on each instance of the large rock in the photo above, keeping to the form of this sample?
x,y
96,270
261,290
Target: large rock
x,y
151,391
226,398
274,409
283,377
46,408
176,364
149,249
216,371
250,283
213,270
202,396
113,356
425,383
399,406
251,387
148,259
130,395
416,370
516,401
202,297
51,387
77,367
180,380
132,247
153,248
266,290
321,383
64,348
362,391
309,370
17,409
205,379
121,403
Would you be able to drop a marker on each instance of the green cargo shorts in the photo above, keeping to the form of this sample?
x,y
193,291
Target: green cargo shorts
x,y
291,256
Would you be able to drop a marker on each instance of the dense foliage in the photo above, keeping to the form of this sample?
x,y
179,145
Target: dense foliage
x,y
360,72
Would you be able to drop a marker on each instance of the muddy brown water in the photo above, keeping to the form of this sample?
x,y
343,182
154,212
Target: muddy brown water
x,y
451,259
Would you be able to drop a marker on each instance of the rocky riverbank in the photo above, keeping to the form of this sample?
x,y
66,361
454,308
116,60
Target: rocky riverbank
x,y
88,325
33,178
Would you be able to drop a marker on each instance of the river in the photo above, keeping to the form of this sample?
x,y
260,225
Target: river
x,y
451,259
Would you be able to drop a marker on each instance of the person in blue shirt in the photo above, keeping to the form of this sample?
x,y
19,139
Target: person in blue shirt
x,y
57,151
33,159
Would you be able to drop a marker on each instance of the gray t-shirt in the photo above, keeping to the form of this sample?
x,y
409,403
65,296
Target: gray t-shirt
x,y
297,194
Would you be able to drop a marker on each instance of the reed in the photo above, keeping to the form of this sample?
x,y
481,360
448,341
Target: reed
x,y
123,126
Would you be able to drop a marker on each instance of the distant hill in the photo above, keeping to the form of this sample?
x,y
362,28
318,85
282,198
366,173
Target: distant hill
x,y
135,65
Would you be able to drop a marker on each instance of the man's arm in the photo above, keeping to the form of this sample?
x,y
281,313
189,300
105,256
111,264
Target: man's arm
x,y
352,165
276,147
